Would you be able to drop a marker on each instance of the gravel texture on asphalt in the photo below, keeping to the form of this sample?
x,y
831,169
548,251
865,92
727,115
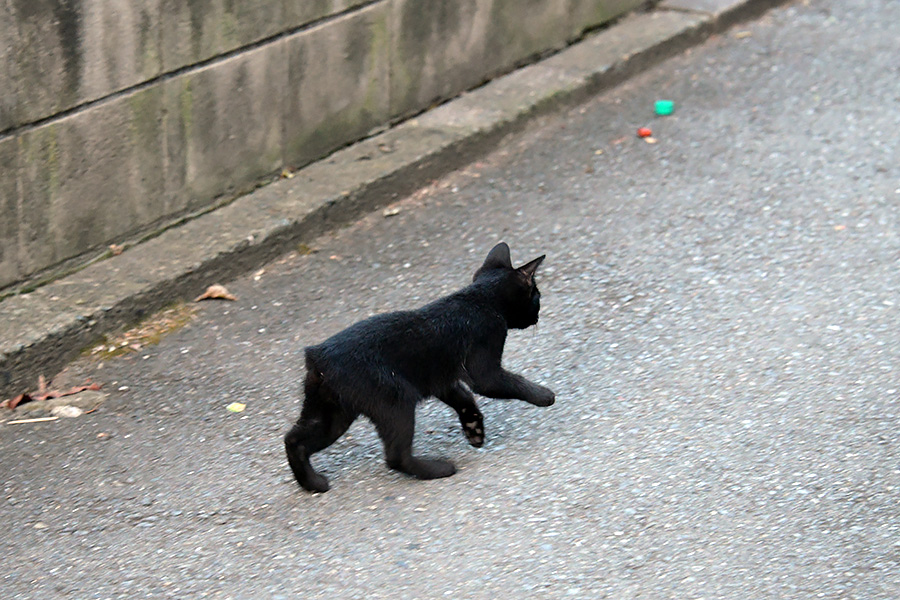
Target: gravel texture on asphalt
x,y
719,325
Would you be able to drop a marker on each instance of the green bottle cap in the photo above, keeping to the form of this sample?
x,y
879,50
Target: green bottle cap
x,y
665,107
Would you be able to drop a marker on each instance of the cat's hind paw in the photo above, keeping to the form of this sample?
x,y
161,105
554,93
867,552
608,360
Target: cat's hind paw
x,y
431,468
472,422
424,468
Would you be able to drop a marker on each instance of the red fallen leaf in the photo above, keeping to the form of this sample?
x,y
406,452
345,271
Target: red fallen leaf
x,y
14,402
44,394
68,392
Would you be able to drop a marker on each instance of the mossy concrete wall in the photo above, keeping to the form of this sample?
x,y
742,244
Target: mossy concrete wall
x,y
119,117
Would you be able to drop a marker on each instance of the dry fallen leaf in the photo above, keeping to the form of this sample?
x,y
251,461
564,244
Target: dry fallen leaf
x,y
146,333
11,403
44,394
215,292
116,249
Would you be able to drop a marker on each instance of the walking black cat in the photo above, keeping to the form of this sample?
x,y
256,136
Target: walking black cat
x,y
382,366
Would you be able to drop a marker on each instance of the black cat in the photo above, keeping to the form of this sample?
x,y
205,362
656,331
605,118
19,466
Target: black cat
x,y
382,366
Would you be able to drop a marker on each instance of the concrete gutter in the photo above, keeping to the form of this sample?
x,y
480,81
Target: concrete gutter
x,y
43,330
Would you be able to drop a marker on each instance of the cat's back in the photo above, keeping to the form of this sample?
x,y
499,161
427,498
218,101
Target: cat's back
x,y
411,341
372,335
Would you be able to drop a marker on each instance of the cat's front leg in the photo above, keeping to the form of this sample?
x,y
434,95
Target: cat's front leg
x,y
501,383
487,377
463,402
531,392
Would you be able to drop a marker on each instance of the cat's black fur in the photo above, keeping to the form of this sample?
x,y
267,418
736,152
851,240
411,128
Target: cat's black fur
x,y
383,366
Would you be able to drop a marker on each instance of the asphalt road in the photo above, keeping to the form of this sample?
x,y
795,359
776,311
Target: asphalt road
x,y
719,325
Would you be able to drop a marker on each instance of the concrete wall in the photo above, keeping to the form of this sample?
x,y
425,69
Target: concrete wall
x,y
118,117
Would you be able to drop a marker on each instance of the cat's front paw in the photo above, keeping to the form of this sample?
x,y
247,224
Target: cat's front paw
x,y
315,483
472,422
542,397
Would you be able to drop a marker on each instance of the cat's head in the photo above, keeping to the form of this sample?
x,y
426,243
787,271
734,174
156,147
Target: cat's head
x,y
515,288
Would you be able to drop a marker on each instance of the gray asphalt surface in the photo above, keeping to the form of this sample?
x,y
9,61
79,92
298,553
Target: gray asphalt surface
x,y
719,325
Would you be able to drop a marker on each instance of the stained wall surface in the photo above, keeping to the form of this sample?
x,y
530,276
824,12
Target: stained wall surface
x,y
120,117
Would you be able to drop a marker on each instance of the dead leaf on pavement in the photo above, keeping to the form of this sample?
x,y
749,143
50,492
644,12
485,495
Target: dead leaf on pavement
x,y
215,292
146,333
44,394
11,403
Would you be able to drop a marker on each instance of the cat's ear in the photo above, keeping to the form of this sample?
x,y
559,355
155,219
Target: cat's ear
x,y
529,269
497,258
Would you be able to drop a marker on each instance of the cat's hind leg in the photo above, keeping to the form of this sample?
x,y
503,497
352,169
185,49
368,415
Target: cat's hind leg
x,y
322,421
463,402
396,426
